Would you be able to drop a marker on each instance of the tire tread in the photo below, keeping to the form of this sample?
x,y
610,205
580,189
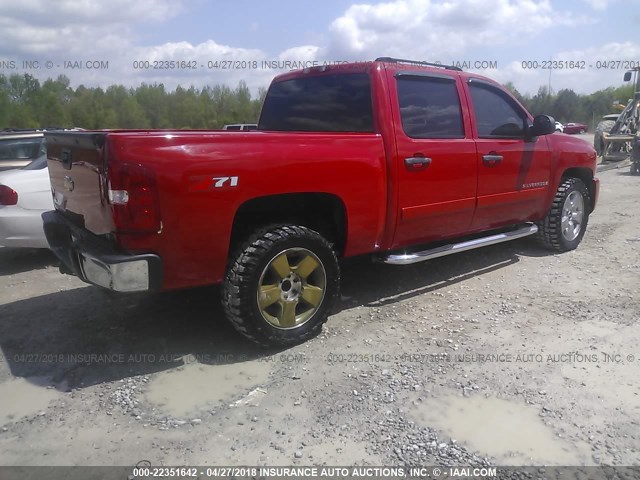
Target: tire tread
x,y
236,299
550,228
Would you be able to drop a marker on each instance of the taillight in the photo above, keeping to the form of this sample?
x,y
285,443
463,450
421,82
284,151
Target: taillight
x,y
8,196
134,199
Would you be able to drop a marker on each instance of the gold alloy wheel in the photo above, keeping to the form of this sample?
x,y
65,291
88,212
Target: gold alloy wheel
x,y
291,288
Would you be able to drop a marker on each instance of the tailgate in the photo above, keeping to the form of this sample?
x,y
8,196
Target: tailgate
x,y
77,167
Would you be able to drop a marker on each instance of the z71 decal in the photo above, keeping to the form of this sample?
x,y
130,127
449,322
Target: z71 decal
x,y
203,183
220,181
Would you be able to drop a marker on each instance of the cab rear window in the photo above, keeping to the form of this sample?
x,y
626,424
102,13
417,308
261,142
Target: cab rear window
x,y
324,103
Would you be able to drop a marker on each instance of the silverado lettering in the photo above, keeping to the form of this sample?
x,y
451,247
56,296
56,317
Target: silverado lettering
x,y
402,160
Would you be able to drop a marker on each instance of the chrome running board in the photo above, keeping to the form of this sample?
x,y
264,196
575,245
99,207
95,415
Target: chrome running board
x,y
415,257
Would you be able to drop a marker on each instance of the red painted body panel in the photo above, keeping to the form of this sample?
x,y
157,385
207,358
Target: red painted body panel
x,y
507,192
197,222
567,153
437,201
387,204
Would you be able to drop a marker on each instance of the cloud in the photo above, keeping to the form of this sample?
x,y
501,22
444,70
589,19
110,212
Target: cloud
x,y
600,5
33,27
28,40
209,63
305,52
71,30
72,12
421,29
429,29
603,66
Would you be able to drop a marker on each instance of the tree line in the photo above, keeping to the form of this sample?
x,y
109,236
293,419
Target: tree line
x,y
568,106
27,103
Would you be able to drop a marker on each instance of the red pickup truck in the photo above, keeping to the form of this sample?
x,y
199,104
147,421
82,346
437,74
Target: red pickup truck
x,y
403,160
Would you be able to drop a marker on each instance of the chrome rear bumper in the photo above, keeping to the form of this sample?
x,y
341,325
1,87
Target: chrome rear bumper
x,y
94,260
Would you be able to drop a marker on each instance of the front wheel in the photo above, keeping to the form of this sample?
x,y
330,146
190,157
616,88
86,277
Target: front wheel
x,y
564,226
280,287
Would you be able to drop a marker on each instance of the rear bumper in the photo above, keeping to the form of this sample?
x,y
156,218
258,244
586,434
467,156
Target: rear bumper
x,y
96,261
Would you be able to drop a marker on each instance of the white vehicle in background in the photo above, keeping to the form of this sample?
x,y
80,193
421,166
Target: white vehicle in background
x,y
241,127
19,148
559,127
25,194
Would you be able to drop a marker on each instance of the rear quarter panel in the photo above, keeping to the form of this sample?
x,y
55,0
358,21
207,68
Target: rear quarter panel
x,y
198,217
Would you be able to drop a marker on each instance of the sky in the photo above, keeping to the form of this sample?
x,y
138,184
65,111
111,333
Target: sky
x,y
100,43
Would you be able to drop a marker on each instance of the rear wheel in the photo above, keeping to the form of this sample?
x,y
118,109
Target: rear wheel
x,y
564,226
281,285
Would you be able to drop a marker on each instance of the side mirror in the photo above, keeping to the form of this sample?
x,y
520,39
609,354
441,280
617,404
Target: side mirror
x,y
627,76
542,125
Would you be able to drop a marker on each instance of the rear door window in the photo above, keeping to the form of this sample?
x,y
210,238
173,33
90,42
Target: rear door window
x,y
429,107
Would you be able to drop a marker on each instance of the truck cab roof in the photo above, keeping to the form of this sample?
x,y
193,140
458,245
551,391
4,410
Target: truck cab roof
x,y
388,63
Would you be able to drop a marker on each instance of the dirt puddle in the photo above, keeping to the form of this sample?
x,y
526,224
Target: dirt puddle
x,y
20,397
512,433
184,392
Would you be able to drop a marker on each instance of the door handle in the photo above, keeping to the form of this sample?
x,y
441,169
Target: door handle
x,y
492,159
417,162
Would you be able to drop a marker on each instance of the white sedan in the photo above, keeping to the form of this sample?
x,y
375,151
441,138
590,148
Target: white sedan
x,y
24,195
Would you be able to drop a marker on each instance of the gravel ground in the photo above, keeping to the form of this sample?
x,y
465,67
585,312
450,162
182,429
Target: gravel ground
x,y
508,355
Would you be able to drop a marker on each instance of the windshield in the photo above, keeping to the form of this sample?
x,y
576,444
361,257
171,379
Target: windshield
x,y
37,164
22,148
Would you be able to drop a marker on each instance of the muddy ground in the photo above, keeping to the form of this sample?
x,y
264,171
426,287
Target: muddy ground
x,y
508,355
